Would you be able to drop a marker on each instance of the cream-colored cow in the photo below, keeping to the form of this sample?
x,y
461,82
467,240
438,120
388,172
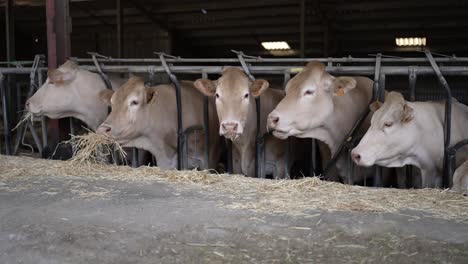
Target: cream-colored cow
x,y
411,133
235,103
146,118
321,106
460,178
72,92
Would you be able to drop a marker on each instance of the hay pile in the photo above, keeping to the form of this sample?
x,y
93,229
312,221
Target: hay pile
x,y
95,148
294,197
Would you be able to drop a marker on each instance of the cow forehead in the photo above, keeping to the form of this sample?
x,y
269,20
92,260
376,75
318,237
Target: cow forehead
x,y
302,79
233,81
132,86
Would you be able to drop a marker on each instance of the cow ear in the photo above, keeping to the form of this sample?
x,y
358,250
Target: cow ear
x,y
342,85
206,86
58,77
151,95
375,106
407,113
258,87
106,95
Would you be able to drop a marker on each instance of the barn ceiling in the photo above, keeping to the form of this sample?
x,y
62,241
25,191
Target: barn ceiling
x,y
332,27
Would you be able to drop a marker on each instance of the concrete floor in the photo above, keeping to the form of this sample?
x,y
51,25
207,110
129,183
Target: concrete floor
x,y
77,220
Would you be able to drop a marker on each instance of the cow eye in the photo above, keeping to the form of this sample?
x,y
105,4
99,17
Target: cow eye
x,y
217,95
388,124
309,92
246,95
133,102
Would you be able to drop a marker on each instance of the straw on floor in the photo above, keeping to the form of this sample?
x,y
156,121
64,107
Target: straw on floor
x,y
285,196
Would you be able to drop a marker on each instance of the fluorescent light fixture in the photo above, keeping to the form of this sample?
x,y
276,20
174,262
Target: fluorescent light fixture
x,y
410,41
276,45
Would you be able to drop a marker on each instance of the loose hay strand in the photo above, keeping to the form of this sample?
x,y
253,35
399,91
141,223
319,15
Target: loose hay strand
x,y
94,148
26,117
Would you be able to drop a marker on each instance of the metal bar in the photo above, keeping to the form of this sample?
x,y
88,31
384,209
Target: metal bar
x,y
176,83
99,70
412,78
348,59
6,129
135,158
259,139
447,175
287,77
43,118
376,96
206,126
36,139
343,70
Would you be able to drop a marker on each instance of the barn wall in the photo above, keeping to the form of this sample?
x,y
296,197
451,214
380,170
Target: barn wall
x,y
139,41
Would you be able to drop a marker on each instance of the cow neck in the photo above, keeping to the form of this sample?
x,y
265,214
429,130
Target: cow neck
x,y
92,116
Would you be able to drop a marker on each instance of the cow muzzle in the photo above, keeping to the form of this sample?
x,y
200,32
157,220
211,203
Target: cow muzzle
x,y
361,159
230,130
104,129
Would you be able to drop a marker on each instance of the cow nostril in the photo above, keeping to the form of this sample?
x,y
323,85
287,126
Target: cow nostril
x,y
356,157
107,129
26,104
275,119
234,127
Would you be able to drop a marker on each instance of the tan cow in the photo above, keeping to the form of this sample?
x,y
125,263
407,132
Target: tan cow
x,y
235,103
411,133
146,118
72,92
460,178
321,106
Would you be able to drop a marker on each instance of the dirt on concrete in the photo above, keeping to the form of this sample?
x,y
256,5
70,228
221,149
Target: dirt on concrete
x,y
45,219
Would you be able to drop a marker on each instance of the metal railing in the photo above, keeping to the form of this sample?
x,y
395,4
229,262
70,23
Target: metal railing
x,y
379,66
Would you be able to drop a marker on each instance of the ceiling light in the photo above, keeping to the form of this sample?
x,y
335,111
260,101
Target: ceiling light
x,y
276,45
410,41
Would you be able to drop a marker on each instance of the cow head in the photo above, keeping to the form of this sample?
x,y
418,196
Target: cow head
x,y
130,110
235,95
69,92
308,103
391,134
56,96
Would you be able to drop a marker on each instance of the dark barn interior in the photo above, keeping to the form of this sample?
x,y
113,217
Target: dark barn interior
x,y
332,28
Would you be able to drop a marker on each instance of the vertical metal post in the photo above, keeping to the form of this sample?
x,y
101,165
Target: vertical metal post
x,y
302,27
43,118
180,133
6,129
206,126
119,18
412,78
377,96
10,89
287,76
447,176
135,158
58,45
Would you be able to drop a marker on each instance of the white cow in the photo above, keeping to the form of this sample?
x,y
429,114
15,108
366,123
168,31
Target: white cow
x,y
146,118
321,106
235,103
460,178
411,133
72,92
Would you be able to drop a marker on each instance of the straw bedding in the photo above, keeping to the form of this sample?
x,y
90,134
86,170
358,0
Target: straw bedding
x,y
285,196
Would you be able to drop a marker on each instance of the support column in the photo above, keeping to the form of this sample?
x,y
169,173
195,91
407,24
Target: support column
x,y
58,50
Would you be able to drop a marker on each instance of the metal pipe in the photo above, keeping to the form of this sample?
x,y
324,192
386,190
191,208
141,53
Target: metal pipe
x,y
177,87
36,139
259,139
6,129
287,77
206,126
448,118
339,70
348,59
302,27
